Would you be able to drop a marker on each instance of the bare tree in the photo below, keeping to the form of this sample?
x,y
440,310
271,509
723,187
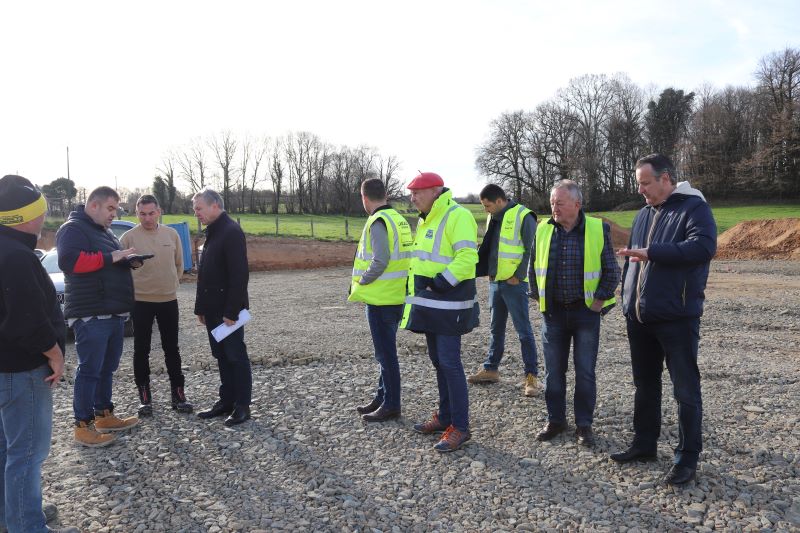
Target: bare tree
x,y
388,166
259,152
224,148
246,154
276,172
198,151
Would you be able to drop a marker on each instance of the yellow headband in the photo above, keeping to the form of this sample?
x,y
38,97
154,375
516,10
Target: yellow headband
x,y
25,213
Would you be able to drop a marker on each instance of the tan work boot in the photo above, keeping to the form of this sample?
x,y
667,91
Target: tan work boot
x,y
108,421
484,376
87,436
532,385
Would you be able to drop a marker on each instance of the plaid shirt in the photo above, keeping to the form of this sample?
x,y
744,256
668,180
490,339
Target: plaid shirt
x,y
565,274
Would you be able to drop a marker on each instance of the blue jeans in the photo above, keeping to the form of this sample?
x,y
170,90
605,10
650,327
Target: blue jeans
x,y
383,321
505,299
675,342
99,346
26,421
560,329
445,354
235,373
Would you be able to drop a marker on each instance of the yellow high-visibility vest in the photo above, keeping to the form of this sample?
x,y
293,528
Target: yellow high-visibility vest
x,y
390,287
509,247
592,259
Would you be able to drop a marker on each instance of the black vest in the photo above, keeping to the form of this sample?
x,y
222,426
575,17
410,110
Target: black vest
x,y
108,291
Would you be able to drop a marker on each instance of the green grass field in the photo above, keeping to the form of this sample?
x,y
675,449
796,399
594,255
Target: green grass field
x,y
332,227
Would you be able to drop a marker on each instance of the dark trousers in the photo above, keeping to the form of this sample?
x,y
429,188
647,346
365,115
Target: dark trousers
x,y
383,321
445,354
580,329
166,315
236,378
675,343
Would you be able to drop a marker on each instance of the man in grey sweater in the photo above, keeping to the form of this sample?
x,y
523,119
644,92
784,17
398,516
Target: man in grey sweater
x,y
503,256
380,272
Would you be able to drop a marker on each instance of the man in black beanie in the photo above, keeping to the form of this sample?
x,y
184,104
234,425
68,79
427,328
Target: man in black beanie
x,y
32,337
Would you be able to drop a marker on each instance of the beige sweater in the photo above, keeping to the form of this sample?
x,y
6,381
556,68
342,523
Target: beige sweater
x,y
158,279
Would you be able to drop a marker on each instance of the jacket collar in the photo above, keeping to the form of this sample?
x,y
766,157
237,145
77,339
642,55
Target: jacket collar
x,y
80,214
439,205
28,239
502,213
578,225
222,220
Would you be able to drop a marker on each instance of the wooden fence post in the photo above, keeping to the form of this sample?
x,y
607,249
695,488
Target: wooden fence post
x,y
346,229
312,228
276,225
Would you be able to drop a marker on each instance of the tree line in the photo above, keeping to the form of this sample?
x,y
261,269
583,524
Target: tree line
x,y
295,173
733,143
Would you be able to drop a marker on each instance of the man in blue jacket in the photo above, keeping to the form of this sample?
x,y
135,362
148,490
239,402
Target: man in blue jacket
x,y
672,242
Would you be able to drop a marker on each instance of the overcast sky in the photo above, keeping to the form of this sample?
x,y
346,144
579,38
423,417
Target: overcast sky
x,y
121,83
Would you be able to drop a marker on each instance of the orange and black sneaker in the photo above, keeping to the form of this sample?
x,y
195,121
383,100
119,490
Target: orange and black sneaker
x,y
452,440
431,426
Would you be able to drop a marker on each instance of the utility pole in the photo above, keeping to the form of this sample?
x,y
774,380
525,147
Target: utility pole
x,y
67,162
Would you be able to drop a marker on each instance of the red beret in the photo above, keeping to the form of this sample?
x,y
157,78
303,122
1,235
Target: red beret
x,y
426,180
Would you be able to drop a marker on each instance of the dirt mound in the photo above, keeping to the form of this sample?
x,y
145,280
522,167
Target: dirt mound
x,y
761,239
619,235
281,253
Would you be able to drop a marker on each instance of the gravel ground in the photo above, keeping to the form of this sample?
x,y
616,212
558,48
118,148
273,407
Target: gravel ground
x,y
307,463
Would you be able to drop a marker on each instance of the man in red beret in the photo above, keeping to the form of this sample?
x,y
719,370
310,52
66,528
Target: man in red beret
x,y
442,301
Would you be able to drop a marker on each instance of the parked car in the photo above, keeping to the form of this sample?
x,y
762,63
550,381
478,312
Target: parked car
x,y
118,227
50,263
39,253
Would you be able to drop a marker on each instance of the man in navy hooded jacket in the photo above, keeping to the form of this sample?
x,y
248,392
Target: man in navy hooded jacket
x,y
672,242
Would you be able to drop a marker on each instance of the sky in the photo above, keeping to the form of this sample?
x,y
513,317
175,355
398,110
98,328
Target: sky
x,y
122,83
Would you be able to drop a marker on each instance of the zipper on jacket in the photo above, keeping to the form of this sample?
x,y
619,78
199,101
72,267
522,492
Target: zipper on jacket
x,y
683,296
643,266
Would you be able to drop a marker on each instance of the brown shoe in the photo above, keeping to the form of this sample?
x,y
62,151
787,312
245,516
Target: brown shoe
x,y
532,385
87,436
550,430
484,375
107,421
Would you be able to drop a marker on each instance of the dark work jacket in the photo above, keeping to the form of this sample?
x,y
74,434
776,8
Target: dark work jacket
x,y
107,291
673,280
30,315
223,274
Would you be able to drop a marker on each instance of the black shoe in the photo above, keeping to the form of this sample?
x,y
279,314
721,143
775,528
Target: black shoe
x,y
218,409
370,407
550,430
584,436
240,414
145,400
633,454
679,475
179,402
381,415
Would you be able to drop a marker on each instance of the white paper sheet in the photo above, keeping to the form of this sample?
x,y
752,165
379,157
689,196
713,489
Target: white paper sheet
x,y
223,330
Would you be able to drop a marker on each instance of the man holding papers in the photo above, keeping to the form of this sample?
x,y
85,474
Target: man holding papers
x,y
221,297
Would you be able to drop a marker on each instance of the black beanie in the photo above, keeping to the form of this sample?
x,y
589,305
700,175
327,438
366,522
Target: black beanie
x,y
20,201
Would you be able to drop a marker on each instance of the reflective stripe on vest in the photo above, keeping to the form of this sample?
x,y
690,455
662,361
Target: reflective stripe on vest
x,y
592,259
390,287
509,247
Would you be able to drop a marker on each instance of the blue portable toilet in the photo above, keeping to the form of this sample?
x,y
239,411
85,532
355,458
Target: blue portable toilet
x,y
186,243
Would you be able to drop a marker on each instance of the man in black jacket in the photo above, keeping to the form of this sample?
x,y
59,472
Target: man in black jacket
x,y
667,260
32,336
221,295
98,292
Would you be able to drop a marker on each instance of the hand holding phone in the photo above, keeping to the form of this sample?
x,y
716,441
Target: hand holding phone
x,y
136,260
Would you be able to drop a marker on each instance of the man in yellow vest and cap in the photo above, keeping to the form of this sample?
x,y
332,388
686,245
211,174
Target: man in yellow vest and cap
x,y
575,273
380,274
504,256
442,301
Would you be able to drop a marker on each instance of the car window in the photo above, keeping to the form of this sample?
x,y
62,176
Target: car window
x,y
50,263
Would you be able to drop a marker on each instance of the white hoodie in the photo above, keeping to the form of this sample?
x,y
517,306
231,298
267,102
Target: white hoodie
x,y
684,188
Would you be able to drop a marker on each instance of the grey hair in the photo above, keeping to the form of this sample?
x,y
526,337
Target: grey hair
x,y
571,187
210,196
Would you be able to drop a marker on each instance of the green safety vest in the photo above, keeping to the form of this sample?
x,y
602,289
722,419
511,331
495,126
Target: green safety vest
x,y
390,287
509,247
592,265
